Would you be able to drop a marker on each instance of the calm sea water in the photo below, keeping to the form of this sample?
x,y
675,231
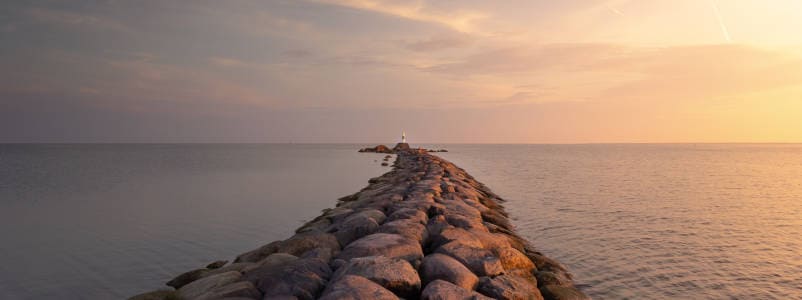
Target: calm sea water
x,y
630,221
657,221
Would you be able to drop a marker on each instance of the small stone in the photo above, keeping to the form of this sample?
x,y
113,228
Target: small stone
x,y
350,287
201,286
444,290
510,287
439,266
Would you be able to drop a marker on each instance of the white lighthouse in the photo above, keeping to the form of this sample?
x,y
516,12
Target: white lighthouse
x,y
403,136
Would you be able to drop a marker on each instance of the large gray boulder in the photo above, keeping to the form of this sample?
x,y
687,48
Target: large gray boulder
x,y
351,287
510,287
444,290
384,244
443,267
480,261
201,286
396,275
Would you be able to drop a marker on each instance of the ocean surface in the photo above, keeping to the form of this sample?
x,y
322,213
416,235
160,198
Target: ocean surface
x,y
684,221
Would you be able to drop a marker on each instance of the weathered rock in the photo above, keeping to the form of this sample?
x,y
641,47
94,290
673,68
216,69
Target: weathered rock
x,y
185,278
302,278
512,259
443,290
217,264
443,267
408,228
408,213
482,262
204,285
556,292
241,289
356,288
510,287
300,243
354,228
396,275
389,245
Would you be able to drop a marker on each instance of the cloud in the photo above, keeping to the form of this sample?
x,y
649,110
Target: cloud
x,y
458,20
440,42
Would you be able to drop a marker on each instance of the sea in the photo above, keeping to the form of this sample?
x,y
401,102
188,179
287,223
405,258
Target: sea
x,y
630,221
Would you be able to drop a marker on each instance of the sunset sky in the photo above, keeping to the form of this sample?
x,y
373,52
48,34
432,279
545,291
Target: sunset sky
x,y
569,71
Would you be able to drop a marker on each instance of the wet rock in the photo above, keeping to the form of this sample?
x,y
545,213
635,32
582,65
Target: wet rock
x,y
204,285
217,264
556,292
396,275
510,287
350,287
552,278
408,228
389,245
443,290
323,254
512,259
443,267
481,262
186,278
241,289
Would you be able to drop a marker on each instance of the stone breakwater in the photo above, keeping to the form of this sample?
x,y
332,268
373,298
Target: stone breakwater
x,y
424,230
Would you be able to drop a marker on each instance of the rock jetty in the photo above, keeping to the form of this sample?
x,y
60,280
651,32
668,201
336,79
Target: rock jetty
x,y
424,230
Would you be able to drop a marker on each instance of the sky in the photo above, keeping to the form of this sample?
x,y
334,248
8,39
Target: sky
x,y
359,71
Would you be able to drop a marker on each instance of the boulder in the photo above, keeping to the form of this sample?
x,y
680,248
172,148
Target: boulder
x,y
204,285
556,292
240,289
355,227
259,253
351,287
389,245
510,287
443,290
408,213
512,259
300,243
216,265
302,278
443,267
480,261
187,277
396,275
408,228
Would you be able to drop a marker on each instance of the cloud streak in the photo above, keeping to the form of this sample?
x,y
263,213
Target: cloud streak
x,y
724,30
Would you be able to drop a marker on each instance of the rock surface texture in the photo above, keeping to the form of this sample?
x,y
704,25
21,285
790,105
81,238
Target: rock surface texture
x,y
424,230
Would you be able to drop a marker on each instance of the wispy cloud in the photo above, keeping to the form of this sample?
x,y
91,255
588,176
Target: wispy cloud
x,y
459,20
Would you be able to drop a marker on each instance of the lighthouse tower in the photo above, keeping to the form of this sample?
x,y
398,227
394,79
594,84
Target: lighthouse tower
x,y
403,136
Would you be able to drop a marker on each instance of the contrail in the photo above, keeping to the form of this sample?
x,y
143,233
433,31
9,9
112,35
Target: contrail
x,y
724,29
